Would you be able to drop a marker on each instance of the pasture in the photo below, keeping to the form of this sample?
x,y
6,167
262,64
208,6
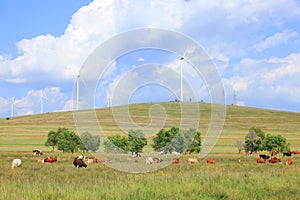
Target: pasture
x,y
227,179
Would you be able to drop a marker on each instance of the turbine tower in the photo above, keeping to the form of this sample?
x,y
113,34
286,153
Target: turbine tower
x,y
42,101
181,79
77,92
12,106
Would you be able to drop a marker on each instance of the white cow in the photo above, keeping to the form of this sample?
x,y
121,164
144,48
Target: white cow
x,y
149,160
175,153
16,163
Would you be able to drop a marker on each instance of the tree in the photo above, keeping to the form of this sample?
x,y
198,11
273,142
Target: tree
x,y
52,139
239,145
195,147
136,140
90,142
276,142
254,140
116,144
69,141
163,138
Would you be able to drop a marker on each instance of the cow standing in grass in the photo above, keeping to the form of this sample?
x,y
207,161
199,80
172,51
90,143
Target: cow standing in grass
x,y
16,163
79,163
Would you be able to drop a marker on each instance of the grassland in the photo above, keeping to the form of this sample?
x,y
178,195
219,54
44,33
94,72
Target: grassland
x,y
227,179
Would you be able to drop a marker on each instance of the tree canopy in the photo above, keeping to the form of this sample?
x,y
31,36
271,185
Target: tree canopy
x,y
90,142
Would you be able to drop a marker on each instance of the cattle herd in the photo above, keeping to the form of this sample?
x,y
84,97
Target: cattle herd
x,y
82,161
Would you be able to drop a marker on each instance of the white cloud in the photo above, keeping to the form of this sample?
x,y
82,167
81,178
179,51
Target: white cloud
x,y
276,39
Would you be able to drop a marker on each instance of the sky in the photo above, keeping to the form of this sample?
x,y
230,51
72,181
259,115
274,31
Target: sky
x,y
254,46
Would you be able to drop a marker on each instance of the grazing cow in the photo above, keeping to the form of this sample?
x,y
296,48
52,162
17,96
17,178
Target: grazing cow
x,y
91,160
174,153
249,153
175,161
211,161
149,160
157,160
239,160
50,159
40,160
104,159
193,160
287,154
260,160
266,157
136,154
79,163
162,152
289,162
274,160
37,152
274,153
295,152
16,163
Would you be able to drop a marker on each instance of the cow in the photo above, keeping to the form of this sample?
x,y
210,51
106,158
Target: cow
x,y
157,160
289,162
274,160
37,152
295,152
91,160
50,159
79,163
16,163
149,160
249,153
274,153
193,160
287,154
210,161
40,160
175,160
266,157
174,153
260,160
104,159
135,154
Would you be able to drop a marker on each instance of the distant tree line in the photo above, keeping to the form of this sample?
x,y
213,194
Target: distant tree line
x,y
68,141
256,140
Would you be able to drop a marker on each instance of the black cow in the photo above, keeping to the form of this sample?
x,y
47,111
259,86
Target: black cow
x,y
78,163
287,154
266,157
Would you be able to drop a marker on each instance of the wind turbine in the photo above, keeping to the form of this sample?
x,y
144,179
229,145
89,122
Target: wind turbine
x,y
77,92
12,106
42,100
181,79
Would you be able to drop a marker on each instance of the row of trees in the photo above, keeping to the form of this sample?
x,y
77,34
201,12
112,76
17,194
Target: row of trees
x,y
68,141
170,140
256,140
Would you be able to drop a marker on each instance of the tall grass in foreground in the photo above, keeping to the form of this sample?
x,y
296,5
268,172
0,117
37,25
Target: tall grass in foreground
x,y
227,179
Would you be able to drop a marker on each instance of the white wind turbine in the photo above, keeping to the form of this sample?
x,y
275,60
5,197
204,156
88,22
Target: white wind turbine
x,y
42,97
181,79
77,92
12,105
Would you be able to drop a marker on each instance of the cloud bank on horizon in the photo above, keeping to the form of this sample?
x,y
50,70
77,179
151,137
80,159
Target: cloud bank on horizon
x,y
254,45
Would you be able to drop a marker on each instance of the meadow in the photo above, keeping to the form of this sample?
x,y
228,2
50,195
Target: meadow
x,y
227,179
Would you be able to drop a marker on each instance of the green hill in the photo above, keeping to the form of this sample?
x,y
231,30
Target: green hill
x,y
25,133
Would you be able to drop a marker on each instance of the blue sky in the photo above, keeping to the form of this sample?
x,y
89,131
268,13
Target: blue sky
x,y
43,45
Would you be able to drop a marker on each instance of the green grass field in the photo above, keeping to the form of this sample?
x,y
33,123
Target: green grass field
x,y
227,179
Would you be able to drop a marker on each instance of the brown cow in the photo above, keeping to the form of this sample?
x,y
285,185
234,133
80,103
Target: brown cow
x,y
50,159
274,160
289,162
260,160
211,161
295,152
103,159
175,160
274,153
157,160
193,160
91,160
79,163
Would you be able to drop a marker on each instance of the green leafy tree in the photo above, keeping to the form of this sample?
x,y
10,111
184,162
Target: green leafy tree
x,y
90,142
195,147
116,144
276,142
254,140
52,139
163,139
136,140
68,141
